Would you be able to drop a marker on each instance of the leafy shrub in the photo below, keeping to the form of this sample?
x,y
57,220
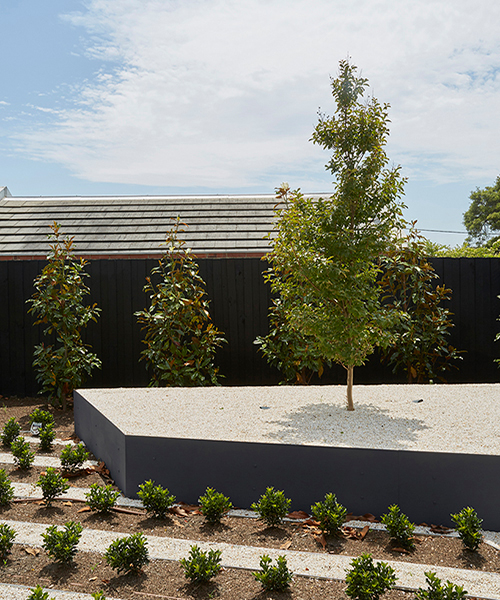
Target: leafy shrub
x,y
468,526
6,488
101,498
367,581
52,484
7,536
41,416
438,591
156,499
47,436
329,514
10,432
274,578
23,457
61,545
272,507
73,457
98,595
214,505
201,566
38,594
128,554
399,527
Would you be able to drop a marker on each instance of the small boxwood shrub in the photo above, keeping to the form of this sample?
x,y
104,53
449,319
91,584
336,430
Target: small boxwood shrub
x,y
367,581
468,526
52,485
98,595
6,488
73,457
272,507
47,436
10,432
214,505
437,591
128,554
61,545
7,536
329,514
41,416
155,498
274,577
399,527
23,457
101,498
201,566
38,594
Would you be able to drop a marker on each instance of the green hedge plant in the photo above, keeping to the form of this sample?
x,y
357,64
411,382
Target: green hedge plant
x,y
37,593
128,554
368,581
73,457
399,527
272,507
275,578
23,457
468,526
201,566
6,488
7,536
101,498
47,436
156,499
329,514
10,432
52,485
61,545
437,591
214,505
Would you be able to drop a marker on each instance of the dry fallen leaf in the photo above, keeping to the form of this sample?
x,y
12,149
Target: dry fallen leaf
x,y
364,532
286,545
32,551
178,523
84,509
402,550
298,514
321,540
68,504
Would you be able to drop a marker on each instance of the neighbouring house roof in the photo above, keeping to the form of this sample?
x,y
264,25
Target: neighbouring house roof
x,y
130,226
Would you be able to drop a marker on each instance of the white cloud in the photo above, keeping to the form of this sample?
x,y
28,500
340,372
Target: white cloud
x,y
224,93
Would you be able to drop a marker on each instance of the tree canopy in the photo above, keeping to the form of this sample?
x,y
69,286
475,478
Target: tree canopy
x,y
483,215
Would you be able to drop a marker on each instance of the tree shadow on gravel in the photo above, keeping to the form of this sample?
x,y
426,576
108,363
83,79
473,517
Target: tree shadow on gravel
x,y
367,426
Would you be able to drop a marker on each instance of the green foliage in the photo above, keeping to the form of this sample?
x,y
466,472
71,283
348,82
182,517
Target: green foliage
x,y
274,577
98,595
73,457
101,498
468,526
326,251
6,488
10,432
329,514
58,304
38,594
41,416
483,214
214,505
181,340
492,250
272,507
438,591
7,536
61,545
288,349
52,485
23,457
156,499
399,527
47,436
420,345
368,581
201,566
128,554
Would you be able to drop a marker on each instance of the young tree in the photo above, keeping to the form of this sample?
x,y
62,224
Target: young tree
x,y
181,340
58,303
483,215
327,251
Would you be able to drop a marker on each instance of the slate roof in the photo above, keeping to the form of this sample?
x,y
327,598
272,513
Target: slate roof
x,y
127,226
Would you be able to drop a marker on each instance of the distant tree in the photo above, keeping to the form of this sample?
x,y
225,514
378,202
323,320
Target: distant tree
x,y
326,252
483,215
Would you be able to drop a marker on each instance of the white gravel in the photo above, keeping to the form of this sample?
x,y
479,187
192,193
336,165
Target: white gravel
x,y
449,418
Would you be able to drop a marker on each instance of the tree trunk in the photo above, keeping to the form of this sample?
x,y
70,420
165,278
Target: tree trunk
x,y
350,376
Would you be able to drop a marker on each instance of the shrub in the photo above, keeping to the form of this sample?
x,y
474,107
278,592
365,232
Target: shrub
x,y
41,416
214,505
329,514
101,498
61,545
156,499
23,457
52,485
399,527
38,594
47,436
10,432
201,566
274,578
73,457
7,536
438,591
128,554
272,507
6,488
367,581
98,595
468,526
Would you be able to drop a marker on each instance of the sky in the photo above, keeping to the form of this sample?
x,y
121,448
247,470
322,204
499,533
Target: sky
x,y
221,96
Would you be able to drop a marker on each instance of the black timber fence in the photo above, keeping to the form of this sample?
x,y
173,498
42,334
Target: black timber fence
x,y
239,301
